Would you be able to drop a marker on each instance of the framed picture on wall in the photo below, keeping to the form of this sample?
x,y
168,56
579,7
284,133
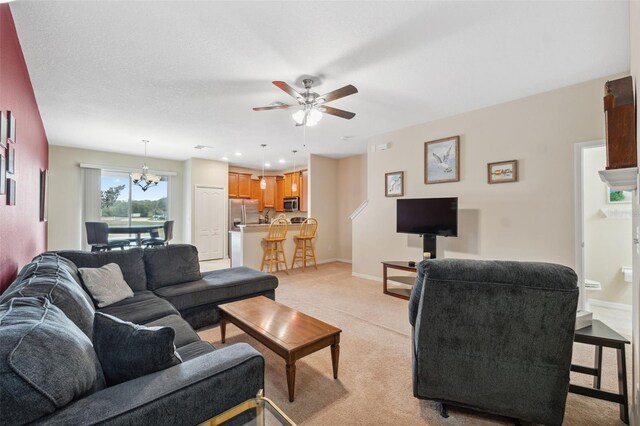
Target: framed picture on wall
x,y
394,184
11,127
3,130
442,160
3,175
11,192
502,171
11,160
618,197
44,178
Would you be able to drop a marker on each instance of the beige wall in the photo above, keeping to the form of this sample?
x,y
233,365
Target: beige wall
x,y
66,191
607,240
323,201
352,191
532,219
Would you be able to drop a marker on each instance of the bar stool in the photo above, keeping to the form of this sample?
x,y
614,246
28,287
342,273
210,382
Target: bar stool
x,y
273,245
304,243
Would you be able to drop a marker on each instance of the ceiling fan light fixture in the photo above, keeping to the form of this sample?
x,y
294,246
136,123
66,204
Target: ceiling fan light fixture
x,y
314,117
298,116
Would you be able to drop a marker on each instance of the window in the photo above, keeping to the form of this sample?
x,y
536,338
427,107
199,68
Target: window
x,y
125,204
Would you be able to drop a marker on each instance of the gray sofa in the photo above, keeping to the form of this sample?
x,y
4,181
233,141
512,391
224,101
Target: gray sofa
x,y
49,370
494,336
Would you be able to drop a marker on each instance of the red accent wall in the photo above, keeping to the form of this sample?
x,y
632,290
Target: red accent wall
x,y
22,235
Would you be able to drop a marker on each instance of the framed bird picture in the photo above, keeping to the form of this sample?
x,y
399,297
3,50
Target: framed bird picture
x,y
442,160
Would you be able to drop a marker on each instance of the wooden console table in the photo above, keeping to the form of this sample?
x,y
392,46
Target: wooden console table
x,y
402,293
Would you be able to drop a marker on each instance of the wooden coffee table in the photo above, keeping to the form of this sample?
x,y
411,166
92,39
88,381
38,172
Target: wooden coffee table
x,y
287,332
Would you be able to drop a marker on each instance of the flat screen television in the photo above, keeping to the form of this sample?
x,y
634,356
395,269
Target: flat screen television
x,y
428,216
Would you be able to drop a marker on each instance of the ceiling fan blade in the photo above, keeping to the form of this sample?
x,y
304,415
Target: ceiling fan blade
x,y
289,90
337,94
284,106
338,112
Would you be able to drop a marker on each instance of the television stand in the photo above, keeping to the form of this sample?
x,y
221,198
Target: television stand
x,y
407,282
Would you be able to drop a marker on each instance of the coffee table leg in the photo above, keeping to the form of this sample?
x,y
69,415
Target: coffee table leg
x,y
291,379
335,357
223,328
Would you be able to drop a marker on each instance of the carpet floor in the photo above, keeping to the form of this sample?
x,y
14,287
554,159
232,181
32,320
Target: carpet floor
x,y
374,377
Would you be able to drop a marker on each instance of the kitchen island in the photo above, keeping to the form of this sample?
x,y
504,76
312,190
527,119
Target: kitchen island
x,y
247,247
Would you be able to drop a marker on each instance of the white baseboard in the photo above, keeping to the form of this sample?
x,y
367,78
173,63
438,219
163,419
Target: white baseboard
x,y
367,277
609,305
344,260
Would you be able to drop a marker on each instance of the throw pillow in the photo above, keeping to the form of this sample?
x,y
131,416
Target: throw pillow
x,y
128,350
106,284
169,265
46,361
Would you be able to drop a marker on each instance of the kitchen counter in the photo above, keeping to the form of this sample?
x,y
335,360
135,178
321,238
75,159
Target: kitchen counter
x,y
246,244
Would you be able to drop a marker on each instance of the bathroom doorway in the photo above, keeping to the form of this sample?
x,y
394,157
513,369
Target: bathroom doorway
x,y
604,223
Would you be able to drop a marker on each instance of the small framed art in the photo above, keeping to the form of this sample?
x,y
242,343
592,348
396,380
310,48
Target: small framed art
x,y
3,175
502,171
394,184
442,160
11,127
3,129
11,192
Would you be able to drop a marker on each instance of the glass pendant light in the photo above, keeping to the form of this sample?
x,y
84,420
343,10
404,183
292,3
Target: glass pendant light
x,y
294,184
263,181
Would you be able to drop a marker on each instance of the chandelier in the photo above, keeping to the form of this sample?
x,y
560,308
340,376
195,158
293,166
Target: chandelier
x,y
145,179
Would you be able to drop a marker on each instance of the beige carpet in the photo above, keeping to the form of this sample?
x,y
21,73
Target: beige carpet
x,y
374,378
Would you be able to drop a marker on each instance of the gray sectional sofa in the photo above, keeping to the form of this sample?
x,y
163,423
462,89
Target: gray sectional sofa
x,y
50,372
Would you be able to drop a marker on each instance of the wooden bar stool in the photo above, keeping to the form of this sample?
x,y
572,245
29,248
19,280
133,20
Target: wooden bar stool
x,y
304,243
273,248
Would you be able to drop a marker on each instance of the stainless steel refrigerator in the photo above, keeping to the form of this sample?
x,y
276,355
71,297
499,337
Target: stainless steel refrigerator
x,y
243,212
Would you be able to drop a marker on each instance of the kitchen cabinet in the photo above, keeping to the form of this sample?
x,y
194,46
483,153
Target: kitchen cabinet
x,y
304,192
239,185
269,194
280,194
256,193
291,190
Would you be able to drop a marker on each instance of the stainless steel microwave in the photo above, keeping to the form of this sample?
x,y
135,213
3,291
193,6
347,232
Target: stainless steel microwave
x,y
291,204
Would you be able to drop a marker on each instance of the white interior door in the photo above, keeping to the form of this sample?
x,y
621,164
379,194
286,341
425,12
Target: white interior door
x,y
209,222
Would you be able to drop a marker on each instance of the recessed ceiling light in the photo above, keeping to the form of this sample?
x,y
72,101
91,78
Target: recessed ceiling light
x,y
267,164
238,154
282,161
225,159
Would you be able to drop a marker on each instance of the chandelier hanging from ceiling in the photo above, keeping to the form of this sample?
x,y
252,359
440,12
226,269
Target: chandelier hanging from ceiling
x,y
145,179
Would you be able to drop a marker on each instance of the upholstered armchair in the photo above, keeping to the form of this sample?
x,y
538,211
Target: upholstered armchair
x,y
494,336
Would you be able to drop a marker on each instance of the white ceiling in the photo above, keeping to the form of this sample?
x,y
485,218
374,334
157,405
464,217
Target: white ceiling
x,y
108,74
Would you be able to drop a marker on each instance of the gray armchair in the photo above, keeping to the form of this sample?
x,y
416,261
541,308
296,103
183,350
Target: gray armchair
x,y
494,336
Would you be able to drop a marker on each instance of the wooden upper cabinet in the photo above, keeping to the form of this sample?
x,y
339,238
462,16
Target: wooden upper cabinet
x,y
244,185
239,185
287,185
233,185
280,194
256,193
295,178
304,191
269,194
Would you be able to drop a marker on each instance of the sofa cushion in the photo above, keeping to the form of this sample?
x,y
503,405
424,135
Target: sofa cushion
x,y
169,265
128,350
194,350
143,307
184,333
43,278
106,285
216,286
50,262
45,360
130,263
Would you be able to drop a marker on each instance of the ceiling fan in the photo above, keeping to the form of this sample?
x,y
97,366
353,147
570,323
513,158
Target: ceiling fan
x,y
312,103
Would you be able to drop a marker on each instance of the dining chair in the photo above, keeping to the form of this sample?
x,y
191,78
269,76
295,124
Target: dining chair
x,y
273,248
156,240
98,237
